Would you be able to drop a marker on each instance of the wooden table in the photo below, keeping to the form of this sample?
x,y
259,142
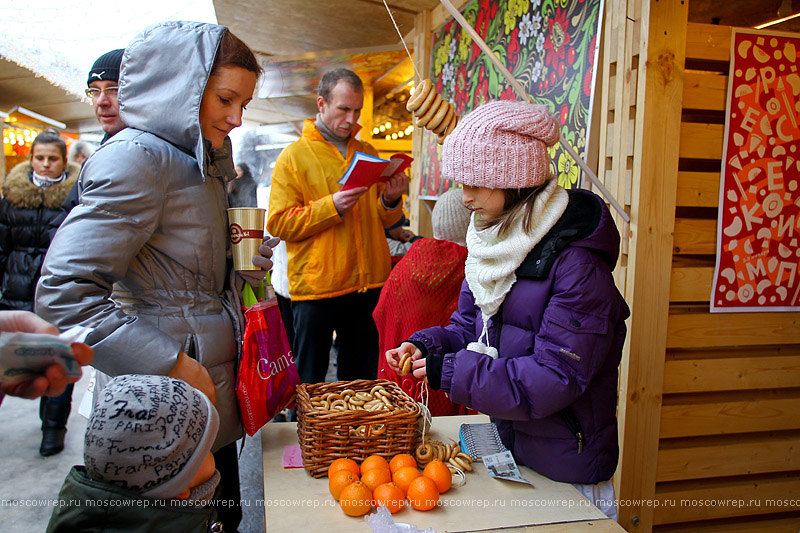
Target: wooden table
x,y
295,501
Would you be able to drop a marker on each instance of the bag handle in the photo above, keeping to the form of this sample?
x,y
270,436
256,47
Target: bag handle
x,y
248,295
251,297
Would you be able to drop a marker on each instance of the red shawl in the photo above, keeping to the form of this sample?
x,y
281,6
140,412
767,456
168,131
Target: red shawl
x,y
421,292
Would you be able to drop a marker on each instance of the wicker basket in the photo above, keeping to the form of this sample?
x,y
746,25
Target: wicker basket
x,y
326,435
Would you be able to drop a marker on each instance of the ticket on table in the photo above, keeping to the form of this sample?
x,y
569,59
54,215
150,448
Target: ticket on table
x,y
25,356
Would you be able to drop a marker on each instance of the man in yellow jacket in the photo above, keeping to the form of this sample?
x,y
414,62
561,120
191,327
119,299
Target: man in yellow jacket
x,y
338,256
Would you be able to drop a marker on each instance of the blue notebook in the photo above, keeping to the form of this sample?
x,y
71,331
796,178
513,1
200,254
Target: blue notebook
x,y
479,440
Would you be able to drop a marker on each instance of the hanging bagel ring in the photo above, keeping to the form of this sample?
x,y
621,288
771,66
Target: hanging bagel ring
x,y
432,111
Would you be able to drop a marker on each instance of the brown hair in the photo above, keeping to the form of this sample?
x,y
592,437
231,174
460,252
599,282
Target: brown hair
x,y
233,52
516,201
331,78
51,136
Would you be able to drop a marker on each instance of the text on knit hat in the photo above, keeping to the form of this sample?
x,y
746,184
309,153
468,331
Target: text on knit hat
x,y
149,434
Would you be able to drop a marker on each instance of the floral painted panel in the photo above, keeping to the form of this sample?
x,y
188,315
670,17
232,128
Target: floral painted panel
x,y
550,46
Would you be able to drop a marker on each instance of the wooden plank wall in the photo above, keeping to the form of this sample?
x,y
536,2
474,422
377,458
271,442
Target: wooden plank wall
x,y
729,439
617,93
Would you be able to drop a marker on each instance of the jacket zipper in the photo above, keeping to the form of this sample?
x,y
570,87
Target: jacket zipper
x,y
574,425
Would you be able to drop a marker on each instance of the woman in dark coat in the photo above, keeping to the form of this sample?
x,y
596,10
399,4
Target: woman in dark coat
x,y
29,210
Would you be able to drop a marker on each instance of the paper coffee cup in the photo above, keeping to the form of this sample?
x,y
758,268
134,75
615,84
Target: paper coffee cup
x,y
246,231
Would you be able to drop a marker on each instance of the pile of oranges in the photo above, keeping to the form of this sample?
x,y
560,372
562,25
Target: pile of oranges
x,y
389,483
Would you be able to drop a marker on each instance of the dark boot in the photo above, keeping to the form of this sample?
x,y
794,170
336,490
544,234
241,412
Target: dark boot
x,y
54,417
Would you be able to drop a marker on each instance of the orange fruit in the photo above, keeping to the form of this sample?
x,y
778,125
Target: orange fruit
x,y
440,474
374,461
400,460
341,463
356,499
339,480
404,476
423,494
376,476
390,496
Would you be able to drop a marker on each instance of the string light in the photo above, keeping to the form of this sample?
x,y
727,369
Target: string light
x,y
16,139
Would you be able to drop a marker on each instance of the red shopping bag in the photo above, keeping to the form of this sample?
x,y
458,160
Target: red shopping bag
x,y
267,374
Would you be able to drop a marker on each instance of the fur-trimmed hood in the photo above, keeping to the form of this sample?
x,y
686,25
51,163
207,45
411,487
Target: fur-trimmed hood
x,y
19,190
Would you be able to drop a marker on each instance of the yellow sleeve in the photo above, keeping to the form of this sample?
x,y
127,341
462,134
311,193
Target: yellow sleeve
x,y
289,217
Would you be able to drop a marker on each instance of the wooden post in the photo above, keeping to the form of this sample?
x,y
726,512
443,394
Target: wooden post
x,y
653,193
423,41
366,115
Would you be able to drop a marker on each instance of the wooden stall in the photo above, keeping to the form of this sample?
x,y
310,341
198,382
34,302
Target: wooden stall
x,y
709,404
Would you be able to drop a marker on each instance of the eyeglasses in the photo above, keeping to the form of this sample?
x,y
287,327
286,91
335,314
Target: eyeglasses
x,y
110,92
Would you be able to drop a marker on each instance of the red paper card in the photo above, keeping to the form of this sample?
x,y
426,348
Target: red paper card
x,y
366,170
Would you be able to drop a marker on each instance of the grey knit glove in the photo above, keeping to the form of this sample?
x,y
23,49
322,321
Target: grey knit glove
x,y
254,277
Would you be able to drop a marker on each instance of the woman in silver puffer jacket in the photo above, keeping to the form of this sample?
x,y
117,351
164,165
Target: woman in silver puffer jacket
x,y
143,257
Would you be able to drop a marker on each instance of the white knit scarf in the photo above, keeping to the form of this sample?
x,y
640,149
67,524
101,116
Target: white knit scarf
x,y
493,260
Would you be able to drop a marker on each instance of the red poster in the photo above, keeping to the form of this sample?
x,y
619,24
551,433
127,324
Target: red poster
x,y
758,230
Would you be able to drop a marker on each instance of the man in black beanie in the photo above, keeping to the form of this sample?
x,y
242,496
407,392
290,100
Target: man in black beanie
x,y
103,86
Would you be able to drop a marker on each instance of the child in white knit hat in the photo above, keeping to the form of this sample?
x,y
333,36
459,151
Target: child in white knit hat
x,y
148,462
538,334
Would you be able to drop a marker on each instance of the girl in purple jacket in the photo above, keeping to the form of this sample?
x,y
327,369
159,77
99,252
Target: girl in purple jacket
x,y
538,334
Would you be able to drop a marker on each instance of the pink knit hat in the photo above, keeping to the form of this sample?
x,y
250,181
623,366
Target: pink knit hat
x,y
501,145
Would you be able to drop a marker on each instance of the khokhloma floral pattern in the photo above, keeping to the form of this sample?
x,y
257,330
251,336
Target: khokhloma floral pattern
x,y
550,46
